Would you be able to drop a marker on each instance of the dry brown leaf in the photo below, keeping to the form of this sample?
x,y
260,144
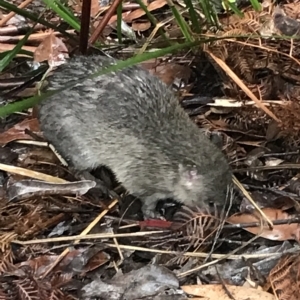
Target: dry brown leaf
x,y
95,7
216,291
250,143
52,49
279,233
17,132
41,263
141,26
139,12
167,72
114,18
95,262
134,15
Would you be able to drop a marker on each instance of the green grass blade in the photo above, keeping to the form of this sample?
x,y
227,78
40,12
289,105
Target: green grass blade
x,y
119,22
63,13
256,5
181,22
193,15
4,62
29,102
231,4
153,20
209,12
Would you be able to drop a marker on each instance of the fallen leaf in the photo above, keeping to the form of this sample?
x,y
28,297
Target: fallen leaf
x,y
217,291
25,188
140,12
51,49
95,7
141,26
42,263
278,233
113,19
95,262
168,72
17,132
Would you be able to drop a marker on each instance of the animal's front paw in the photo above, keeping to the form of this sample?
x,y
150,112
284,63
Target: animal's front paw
x,y
151,214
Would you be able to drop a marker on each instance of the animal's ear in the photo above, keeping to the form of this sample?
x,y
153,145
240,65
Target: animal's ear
x,y
189,175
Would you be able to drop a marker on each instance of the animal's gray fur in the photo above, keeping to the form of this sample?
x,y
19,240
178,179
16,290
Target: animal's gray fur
x,y
131,122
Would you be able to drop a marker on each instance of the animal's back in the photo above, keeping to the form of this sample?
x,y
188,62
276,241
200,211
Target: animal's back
x,y
129,107
131,122
133,91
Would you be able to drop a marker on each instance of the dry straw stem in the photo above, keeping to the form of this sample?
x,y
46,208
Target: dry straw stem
x,y
6,239
128,247
217,257
236,79
86,237
84,232
32,174
263,168
154,31
247,195
204,255
150,38
226,256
